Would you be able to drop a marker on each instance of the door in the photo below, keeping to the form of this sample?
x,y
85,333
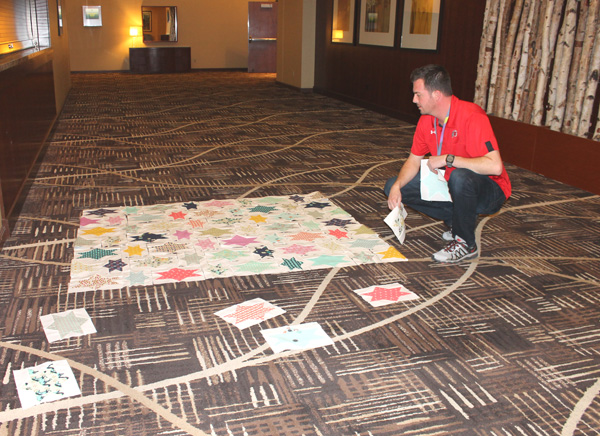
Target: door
x,y
262,37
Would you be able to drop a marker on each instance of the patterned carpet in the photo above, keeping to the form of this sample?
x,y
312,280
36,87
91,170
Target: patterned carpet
x,y
505,345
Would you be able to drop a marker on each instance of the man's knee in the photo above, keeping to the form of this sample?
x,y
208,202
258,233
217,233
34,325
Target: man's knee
x,y
463,181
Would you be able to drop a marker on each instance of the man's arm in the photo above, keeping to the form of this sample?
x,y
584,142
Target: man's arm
x,y
488,165
409,170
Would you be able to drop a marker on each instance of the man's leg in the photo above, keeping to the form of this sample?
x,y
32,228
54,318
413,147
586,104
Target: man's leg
x,y
411,196
473,194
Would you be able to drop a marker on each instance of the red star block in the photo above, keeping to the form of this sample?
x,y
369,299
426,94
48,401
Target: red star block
x,y
389,294
177,215
338,233
178,274
244,313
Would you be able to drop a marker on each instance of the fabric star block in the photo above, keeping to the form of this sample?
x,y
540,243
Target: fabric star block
x,y
47,382
68,324
249,313
296,337
381,295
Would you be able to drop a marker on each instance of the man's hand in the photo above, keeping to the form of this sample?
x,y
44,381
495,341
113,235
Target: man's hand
x,y
395,197
436,162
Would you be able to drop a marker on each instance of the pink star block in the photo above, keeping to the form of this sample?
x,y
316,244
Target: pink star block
x,y
219,203
182,234
205,243
389,294
255,311
240,240
178,274
177,215
298,249
305,236
115,220
83,221
338,233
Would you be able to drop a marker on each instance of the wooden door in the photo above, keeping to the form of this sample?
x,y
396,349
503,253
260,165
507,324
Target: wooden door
x,y
262,37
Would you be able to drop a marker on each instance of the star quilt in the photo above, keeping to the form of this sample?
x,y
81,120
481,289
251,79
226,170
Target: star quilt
x,y
119,247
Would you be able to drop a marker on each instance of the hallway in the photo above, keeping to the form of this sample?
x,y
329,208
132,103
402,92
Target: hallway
x,y
506,344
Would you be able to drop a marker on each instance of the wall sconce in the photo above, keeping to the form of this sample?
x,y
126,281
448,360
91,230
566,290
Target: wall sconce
x,y
338,35
133,32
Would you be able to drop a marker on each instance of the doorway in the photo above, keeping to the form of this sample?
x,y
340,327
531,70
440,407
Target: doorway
x,y
262,37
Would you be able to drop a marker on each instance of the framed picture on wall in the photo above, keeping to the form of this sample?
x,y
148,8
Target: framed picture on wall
x,y
147,21
342,29
92,16
59,15
377,22
421,24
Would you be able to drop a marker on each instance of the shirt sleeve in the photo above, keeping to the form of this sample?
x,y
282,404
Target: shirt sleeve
x,y
481,138
419,145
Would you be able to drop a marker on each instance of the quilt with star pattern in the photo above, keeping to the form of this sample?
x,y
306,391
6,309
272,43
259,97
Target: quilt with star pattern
x,y
119,247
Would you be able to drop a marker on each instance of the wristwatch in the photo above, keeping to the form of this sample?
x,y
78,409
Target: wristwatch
x,y
449,160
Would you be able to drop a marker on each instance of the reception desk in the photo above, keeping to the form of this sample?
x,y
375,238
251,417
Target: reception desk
x,y
160,59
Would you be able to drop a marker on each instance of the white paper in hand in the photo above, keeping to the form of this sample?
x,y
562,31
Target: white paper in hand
x,y
395,220
433,186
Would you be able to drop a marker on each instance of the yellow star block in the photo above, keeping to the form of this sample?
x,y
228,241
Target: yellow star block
x,y
258,219
98,231
134,251
392,253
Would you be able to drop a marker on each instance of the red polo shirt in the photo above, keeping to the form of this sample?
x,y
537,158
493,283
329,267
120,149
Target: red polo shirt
x,y
468,133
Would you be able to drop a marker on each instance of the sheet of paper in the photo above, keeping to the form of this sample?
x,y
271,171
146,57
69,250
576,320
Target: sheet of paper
x,y
296,337
433,186
381,295
395,220
47,382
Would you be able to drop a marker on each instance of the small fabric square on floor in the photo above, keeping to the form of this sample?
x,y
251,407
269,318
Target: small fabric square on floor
x,y
47,382
380,295
68,324
296,337
249,313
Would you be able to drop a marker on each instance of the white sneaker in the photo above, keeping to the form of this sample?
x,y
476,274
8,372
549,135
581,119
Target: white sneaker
x,y
447,236
456,251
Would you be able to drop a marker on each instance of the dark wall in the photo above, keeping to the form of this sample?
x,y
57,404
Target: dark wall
x,y
378,77
27,112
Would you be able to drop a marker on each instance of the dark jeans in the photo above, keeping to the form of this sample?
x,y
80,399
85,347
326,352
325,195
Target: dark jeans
x,y
472,194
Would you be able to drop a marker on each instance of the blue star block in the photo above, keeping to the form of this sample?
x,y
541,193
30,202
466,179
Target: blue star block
x,y
97,253
101,212
317,204
338,222
292,263
148,237
263,252
328,260
115,265
263,209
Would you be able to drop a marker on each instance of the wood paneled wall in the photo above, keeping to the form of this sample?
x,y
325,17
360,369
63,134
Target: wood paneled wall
x,y
27,112
378,77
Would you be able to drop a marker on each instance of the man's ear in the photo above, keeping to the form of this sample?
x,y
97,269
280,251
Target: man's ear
x,y
437,95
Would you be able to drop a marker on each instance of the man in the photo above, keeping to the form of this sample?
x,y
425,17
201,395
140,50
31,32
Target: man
x,y
458,136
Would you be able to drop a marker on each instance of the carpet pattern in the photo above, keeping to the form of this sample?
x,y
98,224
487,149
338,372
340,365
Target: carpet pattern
x,y
508,344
